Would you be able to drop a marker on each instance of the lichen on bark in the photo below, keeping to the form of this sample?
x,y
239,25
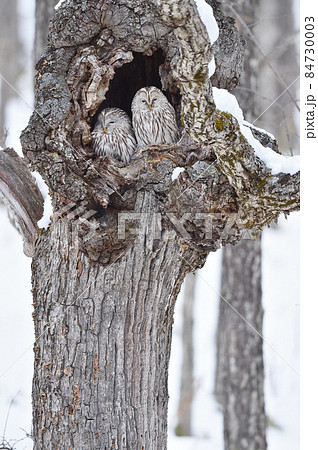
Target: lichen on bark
x,y
90,62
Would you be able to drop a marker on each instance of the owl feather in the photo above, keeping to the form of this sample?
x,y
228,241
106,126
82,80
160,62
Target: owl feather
x,y
113,135
153,117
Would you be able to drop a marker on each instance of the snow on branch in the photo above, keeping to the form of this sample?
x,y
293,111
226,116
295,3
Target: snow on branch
x,y
227,102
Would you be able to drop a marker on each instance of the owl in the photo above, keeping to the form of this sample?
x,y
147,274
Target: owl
x,y
113,135
153,118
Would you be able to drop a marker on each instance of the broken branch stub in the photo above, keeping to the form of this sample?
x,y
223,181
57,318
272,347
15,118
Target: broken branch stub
x,y
21,195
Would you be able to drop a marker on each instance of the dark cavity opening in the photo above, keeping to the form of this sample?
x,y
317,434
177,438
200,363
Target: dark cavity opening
x,y
142,71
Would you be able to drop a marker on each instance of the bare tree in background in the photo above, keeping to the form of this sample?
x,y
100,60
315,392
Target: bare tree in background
x,y
44,10
10,48
183,427
103,293
280,47
10,66
239,383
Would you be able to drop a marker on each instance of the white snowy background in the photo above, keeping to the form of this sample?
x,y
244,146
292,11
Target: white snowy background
x,y
281,318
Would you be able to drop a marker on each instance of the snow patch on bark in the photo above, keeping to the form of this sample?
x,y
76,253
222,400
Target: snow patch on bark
x,y
176,172
45,221
225,101
60,3
207,17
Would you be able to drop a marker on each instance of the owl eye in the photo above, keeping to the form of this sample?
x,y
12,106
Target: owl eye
x,y
111,122
155,99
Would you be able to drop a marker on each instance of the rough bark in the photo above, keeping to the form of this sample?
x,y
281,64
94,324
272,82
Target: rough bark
x,y
103,337
228,50
72,83
103,296
240,353
183,427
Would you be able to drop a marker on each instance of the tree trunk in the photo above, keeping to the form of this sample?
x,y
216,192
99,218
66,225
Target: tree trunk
x,y
239,379
183,427
44,10
240,373
279,37
103,337
10,67
104,296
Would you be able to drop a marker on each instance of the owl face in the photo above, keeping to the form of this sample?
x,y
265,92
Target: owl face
x,y
113,135
110,119
150,99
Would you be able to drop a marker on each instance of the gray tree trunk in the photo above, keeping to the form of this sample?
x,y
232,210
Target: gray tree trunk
x,y
44,11
183,427
104,295
240,353
103,336
10,49
280,47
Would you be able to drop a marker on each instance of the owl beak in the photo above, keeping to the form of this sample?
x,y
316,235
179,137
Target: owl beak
x,y
149,107
105,130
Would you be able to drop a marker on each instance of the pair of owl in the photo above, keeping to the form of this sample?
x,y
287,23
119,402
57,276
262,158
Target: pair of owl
x,y
153,122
